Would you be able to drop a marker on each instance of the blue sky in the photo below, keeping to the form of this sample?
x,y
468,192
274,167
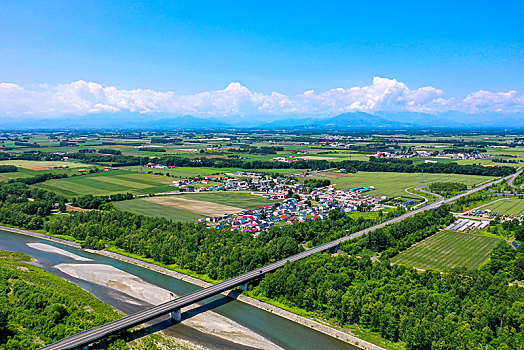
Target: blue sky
x,y
456,47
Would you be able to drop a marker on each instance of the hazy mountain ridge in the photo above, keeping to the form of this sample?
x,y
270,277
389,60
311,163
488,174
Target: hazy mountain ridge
x,y
345,121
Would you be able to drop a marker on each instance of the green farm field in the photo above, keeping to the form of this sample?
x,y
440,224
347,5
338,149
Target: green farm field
x,y
110,182
393,184
447,249
513,206
141,206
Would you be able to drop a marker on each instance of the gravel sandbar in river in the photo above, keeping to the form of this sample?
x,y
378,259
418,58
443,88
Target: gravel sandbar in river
x,y
209,322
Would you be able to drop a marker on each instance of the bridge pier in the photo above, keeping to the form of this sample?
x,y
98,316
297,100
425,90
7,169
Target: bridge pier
x,y
242,286
176,315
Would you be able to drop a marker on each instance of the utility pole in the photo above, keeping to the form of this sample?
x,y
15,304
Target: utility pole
x,y
422,176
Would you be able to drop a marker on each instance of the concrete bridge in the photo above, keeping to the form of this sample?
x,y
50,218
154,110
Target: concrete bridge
x,y
173,307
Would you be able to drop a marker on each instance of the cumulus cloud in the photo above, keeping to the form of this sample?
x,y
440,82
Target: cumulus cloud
x,y
482,100
383,95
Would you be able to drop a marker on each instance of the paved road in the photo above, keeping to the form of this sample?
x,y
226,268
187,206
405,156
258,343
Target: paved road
x,y
92,335
510,181
422,189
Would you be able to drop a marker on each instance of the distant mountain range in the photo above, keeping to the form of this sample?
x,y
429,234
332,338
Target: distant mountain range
x,y
345,121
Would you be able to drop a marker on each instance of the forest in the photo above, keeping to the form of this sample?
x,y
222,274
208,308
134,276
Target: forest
x,y
220,254
37,307
24,206
459,310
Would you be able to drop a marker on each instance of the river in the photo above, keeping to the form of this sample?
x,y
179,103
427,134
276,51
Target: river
x,y
280,331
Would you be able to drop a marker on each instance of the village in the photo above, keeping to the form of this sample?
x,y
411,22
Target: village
x,y
434,154
294,201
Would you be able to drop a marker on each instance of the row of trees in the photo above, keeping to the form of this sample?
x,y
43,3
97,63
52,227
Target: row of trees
x,y
316,183
89,201
349,165
257,150
38,178
8,169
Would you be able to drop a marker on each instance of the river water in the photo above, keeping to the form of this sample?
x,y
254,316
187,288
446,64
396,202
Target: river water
x,y
280,331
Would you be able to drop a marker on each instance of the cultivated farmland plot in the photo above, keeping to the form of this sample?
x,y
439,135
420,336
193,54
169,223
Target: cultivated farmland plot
x,y
190,207
393,184
512,206
42,165
447,249
110,182
147,208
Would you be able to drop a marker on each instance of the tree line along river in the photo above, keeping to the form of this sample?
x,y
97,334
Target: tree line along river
x,y
279,331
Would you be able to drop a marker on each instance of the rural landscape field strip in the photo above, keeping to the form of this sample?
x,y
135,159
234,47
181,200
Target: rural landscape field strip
x,y
512,206
193,205
111,182
141,206
43,164
448,249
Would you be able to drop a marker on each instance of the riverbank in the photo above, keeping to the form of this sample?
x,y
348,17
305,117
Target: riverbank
x,y
335,333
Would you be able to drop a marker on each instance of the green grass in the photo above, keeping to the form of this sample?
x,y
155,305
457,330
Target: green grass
x,y
447,249
513,206
109,182
141,206
393,184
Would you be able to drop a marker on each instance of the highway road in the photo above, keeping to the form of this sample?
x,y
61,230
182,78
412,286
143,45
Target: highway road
x,y
94,334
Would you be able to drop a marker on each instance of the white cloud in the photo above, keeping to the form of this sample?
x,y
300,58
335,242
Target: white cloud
x,y
494,102
383,95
